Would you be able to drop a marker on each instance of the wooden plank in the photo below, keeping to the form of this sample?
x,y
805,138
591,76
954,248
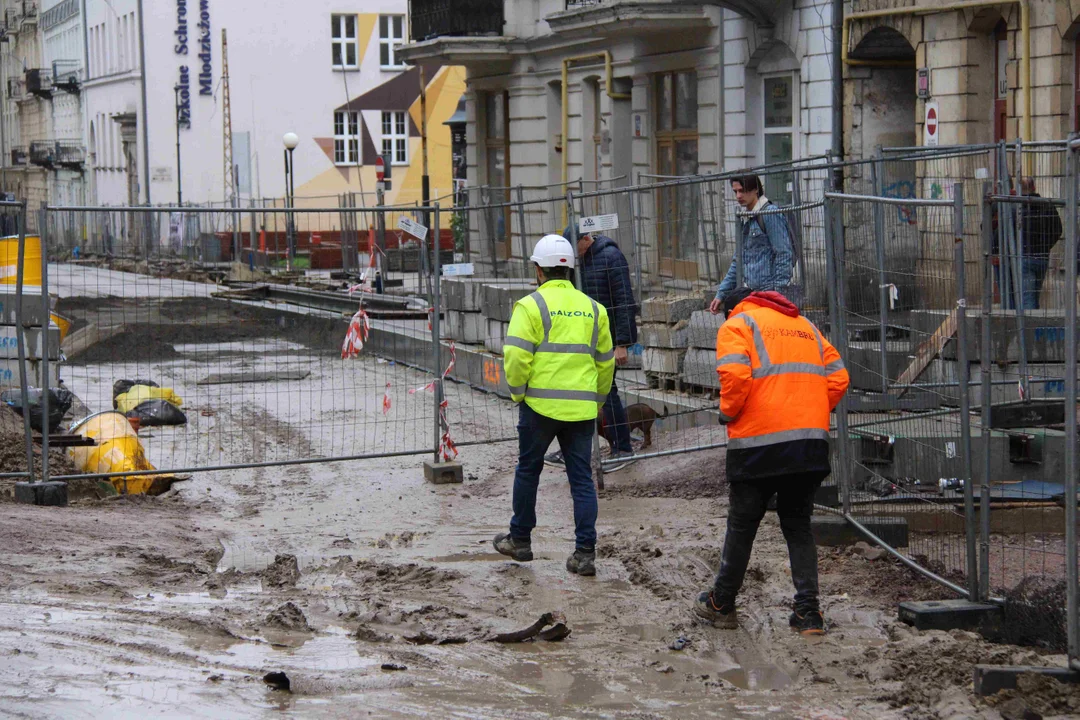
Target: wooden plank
x,y
253,377
927,351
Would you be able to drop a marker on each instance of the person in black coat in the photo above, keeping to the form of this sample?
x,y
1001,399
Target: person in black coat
x,y
605,277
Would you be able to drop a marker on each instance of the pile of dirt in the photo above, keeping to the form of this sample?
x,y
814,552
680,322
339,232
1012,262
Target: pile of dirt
x,y
928,665
288,617
139,342
1039,694
886,580
1035,613
13,451
688,476
282,573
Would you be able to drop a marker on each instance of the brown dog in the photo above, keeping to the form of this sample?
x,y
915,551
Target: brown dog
x,y
638,416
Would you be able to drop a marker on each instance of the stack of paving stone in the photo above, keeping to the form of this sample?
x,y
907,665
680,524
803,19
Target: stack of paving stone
x,y
699,367
664,333
41,336
478,309
498,305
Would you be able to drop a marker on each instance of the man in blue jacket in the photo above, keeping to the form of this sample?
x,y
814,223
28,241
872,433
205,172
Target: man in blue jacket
x,y
605,277
768,252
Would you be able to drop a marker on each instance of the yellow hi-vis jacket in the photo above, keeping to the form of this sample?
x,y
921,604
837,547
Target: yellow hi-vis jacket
x,y
557,354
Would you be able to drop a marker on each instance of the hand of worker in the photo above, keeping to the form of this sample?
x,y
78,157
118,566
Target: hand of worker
x,y
620,356
714,306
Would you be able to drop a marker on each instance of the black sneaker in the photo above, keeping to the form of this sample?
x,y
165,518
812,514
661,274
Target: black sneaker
x,y
555,459
810,623
520,550
723,616
582,562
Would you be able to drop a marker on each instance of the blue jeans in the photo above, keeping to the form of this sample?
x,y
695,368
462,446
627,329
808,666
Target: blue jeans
x,y
616,427
794,505
535,433
1033,272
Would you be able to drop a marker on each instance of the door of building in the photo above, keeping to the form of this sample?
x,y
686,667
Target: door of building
x,y
1001,82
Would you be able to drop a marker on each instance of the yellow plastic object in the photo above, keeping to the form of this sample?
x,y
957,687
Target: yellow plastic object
x,y
139,394
118,450
9,260
63,323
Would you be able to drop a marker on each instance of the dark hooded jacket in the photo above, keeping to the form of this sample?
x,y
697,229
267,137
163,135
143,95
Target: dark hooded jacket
x,y
605,277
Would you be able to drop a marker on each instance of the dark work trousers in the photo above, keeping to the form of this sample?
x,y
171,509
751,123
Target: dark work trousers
x,y
616,427
794,505
535,433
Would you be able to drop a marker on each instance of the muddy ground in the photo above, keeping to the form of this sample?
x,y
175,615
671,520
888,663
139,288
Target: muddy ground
x,y
375,593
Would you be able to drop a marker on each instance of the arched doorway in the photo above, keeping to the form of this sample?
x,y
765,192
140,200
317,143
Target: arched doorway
x,y
887,98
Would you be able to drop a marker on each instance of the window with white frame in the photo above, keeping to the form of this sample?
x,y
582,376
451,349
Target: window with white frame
x,y
346,137
391,37
395,136
343,44
779,130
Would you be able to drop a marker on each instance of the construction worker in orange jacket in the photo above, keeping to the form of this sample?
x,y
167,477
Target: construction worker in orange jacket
x,y
779,381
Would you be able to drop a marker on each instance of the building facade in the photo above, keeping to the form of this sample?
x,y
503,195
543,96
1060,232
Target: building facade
x,y
605,94
991,71
328,73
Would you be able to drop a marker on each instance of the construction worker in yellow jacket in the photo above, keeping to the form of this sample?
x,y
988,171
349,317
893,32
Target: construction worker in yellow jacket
x,y
779,381
559,363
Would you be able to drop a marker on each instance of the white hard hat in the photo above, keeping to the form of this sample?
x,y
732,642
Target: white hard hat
x,y
553,251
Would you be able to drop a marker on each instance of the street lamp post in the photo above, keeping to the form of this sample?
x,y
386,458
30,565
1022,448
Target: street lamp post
x,y
179,177
290,140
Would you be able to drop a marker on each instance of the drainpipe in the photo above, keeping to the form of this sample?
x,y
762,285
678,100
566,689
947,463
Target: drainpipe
x,y
838,27
145,130
1025,42
610,86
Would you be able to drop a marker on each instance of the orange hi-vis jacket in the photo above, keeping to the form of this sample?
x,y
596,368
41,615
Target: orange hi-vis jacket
x,y
779,381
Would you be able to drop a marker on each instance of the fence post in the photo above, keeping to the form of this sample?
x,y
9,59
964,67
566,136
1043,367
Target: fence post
x,y
571,216
521,224
703,244
45,321
883,291
833,267
963,375
986,390
436,334
1072,571
20,335
637,245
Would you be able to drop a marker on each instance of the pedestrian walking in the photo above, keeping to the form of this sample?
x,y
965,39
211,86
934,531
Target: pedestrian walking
x,y
780,379
1040,229
605,277
559,363
768,251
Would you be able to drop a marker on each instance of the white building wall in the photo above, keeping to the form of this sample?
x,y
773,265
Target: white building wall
x,y
62,51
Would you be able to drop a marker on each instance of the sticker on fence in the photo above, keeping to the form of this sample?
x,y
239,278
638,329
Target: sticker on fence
x,y
412,227
458,269
597,223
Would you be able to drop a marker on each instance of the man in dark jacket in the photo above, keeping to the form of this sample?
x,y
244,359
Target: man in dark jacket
x,y
1040,228
605,277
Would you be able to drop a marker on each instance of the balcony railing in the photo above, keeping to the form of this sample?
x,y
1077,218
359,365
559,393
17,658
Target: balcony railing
x,y
57,153
67,75
439,18
29,11
39,82
43,153
19,156
70,154
577,4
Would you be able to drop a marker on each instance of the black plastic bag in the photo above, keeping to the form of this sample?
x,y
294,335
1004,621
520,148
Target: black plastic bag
x,y
157,412
59,403
122,386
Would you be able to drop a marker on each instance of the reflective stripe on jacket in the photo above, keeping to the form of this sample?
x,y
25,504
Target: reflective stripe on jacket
x,y
557,354
780,379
